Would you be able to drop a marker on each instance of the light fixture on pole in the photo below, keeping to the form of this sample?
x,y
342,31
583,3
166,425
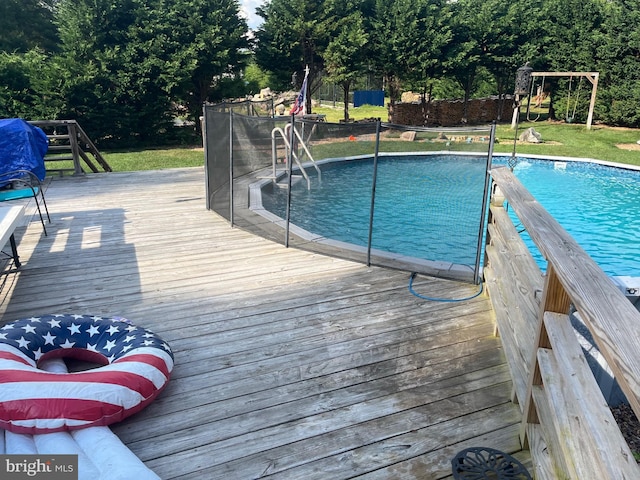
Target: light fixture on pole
x,y
523,81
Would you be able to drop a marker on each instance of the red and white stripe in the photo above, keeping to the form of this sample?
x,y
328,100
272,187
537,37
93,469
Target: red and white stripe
x,y
34,401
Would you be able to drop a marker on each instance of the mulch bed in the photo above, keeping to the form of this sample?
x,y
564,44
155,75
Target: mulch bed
x,y
629,426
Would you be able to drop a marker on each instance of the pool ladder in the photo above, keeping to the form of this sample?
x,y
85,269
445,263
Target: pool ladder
x,y
284,134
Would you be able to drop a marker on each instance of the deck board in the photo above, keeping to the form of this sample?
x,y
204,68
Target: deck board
x,y
289,364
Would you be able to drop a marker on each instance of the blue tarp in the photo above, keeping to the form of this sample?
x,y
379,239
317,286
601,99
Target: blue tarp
x,y
368,97
22,147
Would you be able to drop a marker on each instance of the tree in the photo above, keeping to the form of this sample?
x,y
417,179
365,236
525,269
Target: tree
x,y
569,44
27,24
30,86
345,57
116,83
206,45
618,60
408,42
293,36
132,62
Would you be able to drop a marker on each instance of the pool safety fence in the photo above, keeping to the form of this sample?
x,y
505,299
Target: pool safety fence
x,y
403,197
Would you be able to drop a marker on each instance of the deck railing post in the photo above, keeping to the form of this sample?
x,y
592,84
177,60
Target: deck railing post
x,y
73,142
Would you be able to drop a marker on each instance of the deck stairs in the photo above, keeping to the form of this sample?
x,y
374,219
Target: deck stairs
x,y
70,148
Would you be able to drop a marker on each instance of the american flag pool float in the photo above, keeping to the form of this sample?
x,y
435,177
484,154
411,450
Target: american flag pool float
x,y
135,366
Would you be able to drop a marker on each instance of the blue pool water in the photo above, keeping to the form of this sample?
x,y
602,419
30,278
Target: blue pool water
x,y
432,209
597,204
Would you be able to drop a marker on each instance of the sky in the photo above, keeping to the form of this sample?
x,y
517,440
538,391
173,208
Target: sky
x,y
248,8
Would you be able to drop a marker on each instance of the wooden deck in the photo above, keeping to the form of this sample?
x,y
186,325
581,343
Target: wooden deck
x,y
288,364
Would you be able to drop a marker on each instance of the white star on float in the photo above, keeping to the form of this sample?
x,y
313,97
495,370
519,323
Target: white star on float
x,y
93,330
48,339
95,318
37,354
131,328
29,329
166,347
92,348
23,342
77,317
112,329
128,338
3,336
67,344
54,323
8,326
109,345
73,328
34,319
148,342
126,348
148,335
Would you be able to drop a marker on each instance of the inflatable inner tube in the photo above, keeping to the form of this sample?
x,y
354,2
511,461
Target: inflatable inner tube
x,y
135,366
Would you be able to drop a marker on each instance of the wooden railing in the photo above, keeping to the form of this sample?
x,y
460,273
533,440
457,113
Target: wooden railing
x,y
68,142
567,423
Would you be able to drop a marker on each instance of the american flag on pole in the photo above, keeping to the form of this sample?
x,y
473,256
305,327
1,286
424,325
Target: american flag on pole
x,y
301,99
136,366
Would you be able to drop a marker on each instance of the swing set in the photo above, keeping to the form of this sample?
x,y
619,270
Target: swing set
x,y
592,77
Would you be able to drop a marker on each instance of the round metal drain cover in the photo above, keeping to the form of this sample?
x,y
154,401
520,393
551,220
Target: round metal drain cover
x,y
480,463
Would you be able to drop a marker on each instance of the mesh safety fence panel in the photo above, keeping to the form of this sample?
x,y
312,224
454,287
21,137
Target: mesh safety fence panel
x,y
263,108
217,147
430,204
418,205
328,213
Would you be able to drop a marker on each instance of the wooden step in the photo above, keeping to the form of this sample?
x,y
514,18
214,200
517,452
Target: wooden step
x,y
58,158
59,147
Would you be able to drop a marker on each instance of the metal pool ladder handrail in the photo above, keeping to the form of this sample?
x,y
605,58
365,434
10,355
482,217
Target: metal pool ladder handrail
x,y
274,156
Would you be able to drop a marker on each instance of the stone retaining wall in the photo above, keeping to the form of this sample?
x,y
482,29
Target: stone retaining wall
x,y
449,113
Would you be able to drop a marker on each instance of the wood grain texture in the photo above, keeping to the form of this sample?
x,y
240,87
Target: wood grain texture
x,y
289,364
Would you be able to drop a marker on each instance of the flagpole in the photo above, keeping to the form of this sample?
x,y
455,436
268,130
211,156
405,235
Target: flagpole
x,y
306,91
300,105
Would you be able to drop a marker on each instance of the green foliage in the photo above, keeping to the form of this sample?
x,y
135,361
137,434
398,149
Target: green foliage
x,y
486,39
409,41
126,68
619,61
30,86
132,63
572,36
256,78
618,104
26,25
293,35
345,57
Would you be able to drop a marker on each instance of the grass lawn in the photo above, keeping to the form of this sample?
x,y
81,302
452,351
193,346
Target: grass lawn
x,y
155,159
560,139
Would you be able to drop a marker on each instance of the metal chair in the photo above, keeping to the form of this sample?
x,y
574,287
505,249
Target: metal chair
x,y
21,184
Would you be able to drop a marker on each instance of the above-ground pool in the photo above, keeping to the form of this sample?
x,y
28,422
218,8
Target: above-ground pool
x,y
597,204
